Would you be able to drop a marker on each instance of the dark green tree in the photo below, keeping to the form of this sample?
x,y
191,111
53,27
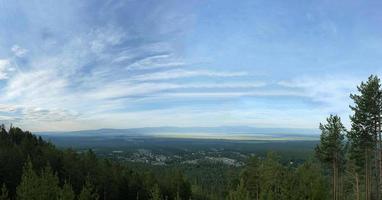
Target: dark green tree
x,y
88,192
251,175
240,193
48,184
365,130
330,151
4,193
66,193
29,186
272,178
155,193
310,182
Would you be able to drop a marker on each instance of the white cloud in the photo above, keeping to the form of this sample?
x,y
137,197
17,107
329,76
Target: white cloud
x,y
130,89
328,89
5,69
275,93
175,74
105,37
34,85
8,108
18,51
331,91
42,114
21,114
156,61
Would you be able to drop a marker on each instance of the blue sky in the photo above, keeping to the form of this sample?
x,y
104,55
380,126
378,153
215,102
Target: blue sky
x,y
71,65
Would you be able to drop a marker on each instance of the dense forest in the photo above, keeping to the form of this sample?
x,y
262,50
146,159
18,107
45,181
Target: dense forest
x,y
34,169
347,165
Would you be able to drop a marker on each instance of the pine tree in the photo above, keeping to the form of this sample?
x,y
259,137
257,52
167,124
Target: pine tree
x,y
251,176
331,149
4,193
66,193
48,188
155,193
88,192
310,182
272,175
352,181
240,193
177,197
29,186
364,136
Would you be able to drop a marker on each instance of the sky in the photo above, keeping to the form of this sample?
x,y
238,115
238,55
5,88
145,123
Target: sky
x,y
75,65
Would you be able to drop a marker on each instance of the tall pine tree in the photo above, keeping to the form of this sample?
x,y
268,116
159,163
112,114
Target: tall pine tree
x,y
4,193
251,176
29,186
155,193
88,192
365,131
331,150
66,193
240,193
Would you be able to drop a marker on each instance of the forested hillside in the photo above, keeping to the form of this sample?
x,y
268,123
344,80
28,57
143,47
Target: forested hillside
x,y
34,169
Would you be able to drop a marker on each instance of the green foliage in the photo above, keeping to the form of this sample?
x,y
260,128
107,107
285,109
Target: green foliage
x,y
35,177
88,192
240,193
366,110
268,179
365,135
29,186
66,193
273,174
48,184
261,178
4,193
251,175
331,150
310,182
33,186
155,193
331,147
177,197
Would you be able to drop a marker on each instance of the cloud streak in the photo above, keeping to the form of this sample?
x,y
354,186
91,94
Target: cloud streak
x,y
175,74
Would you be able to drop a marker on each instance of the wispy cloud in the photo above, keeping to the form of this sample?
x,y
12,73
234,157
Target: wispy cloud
x,y
331,90
179,73
56,80
5,68
76,65
131,89
156,61
18,51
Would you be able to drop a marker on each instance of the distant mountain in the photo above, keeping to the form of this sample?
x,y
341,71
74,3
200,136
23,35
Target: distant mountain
x,y
220,132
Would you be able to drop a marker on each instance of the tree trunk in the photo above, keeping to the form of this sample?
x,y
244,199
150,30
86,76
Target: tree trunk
x,y
338,183
357,186
366,176
334,181
379,157
257,192
340,187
